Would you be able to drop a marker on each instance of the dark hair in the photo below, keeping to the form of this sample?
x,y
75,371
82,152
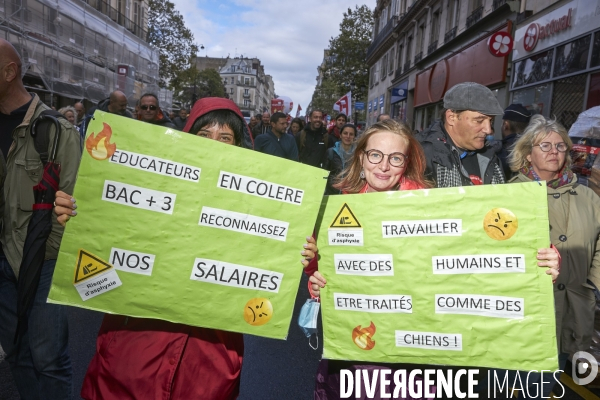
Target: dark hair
x,y
149,95
221,118
349,126
315,110
516,127
298,121
342,115
277,116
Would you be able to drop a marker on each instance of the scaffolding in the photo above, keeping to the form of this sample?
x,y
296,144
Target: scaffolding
x,y
81,49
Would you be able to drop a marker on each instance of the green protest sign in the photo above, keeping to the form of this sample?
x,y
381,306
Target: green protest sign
x,y
176,227
439,276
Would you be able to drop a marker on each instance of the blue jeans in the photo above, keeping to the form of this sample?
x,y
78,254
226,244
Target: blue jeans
x,y
39,361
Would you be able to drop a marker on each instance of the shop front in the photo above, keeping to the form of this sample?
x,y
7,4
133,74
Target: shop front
x,y
556,68
398,99
475,62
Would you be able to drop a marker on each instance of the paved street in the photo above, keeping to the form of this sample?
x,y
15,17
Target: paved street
x,y
273,369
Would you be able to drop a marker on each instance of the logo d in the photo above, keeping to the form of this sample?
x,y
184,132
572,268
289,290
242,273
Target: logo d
x,y
578,369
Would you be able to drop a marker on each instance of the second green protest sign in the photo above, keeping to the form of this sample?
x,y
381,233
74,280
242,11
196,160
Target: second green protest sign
x,y
176,227
440,276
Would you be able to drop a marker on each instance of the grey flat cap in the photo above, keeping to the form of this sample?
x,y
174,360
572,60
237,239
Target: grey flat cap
x,y
474,97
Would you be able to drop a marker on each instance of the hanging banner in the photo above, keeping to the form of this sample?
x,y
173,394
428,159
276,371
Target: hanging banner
x,y
176,227
439,276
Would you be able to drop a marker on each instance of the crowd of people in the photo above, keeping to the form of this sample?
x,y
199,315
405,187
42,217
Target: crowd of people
x,y
142,358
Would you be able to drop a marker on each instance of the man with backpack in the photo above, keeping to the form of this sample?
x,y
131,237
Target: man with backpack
x,y
313,141
39,361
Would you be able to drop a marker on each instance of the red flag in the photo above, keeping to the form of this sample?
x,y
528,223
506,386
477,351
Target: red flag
x,y
344,104
298,110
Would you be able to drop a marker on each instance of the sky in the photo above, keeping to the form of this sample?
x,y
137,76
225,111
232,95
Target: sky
x,y
288,36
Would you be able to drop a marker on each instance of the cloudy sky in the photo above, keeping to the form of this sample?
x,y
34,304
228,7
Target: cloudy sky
x,y
288,36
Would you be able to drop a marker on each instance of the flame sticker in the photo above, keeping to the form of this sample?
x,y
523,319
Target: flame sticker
x,y
99,146
362,337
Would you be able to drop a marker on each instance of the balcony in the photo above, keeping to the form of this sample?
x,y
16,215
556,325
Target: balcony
x,y
406,66
432,47
474,17
418,57
105,8
382,36
497,4
246,95
451,34
398,73
243,107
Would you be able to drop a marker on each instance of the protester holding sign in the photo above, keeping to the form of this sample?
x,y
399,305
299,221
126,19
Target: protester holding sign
x,y
147,358
387,157
542,154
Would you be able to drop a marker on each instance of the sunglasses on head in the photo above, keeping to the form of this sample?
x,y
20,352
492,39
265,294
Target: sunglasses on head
x,y
151,107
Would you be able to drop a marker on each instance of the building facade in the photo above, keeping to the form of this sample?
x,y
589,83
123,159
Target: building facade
x,y
76,50
556,60
247,85
547,55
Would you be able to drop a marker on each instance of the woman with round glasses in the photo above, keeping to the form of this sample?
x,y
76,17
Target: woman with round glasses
x,y
542,154
387,157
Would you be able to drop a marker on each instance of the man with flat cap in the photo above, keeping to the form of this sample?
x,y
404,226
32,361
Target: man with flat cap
x,y
455,147
514,121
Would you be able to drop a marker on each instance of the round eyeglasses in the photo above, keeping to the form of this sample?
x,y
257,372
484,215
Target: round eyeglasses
x,y
547,146
376,157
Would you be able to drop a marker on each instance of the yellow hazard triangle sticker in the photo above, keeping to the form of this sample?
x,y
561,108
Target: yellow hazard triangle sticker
x,y
345,219
89,265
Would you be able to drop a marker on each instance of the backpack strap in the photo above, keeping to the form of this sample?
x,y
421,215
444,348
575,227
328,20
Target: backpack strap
x,y
40,132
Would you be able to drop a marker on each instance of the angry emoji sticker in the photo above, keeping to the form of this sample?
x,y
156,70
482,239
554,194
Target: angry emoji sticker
x,y
500,223
258,311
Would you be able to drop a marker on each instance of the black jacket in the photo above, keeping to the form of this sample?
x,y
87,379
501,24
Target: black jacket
x,y
507,144
259,129
313,145
102,106
179,123
163,120
444,166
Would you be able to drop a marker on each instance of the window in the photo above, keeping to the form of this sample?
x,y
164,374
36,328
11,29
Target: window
x,y
533,69
596,50
452,16
52,67
391,60
51,22
246,91
420,37
384,66
475,4
572,57
138,14
77,73
400,51
246,103
232,81
231,91
435,26
246,81
409,49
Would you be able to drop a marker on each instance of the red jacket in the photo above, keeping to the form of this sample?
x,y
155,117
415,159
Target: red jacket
x,y
138,358
313,266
